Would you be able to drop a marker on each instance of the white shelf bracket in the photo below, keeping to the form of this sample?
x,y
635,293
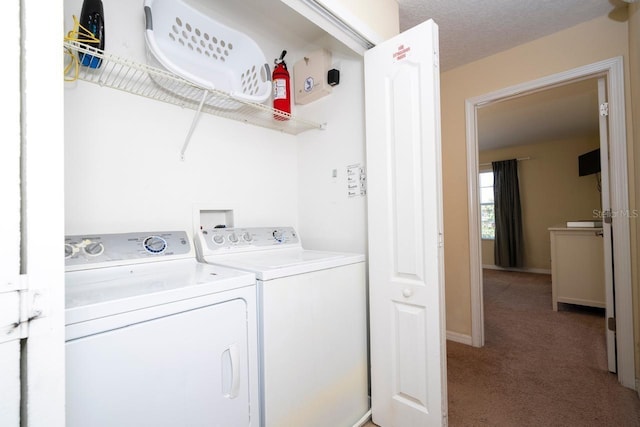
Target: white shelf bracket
x,y
193,125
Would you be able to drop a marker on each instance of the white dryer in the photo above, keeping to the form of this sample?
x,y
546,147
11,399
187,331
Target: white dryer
x,y
155,338
312,324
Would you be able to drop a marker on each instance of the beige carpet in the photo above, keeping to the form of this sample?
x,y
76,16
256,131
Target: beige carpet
x,y
538,367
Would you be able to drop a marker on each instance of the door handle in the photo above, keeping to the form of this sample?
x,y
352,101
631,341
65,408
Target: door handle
x,y
406,292
233,355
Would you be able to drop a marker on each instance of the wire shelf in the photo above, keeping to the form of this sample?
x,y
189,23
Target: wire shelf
x,y
141,79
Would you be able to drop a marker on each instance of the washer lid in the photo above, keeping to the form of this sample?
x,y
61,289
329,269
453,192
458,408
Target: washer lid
x,y
107,291
273,264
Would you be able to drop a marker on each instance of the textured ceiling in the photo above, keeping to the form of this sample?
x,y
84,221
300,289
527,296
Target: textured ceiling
x,y
472,29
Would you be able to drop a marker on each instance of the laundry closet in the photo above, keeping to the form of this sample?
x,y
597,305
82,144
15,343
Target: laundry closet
x,y
347,178
135,164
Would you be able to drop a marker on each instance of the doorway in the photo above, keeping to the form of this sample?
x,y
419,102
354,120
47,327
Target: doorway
x,y
612,71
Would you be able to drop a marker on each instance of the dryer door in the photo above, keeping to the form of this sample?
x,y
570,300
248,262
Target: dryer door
x,y
189,368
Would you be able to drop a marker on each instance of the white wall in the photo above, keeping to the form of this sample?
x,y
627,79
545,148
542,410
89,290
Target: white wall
x,y
329,219
123,169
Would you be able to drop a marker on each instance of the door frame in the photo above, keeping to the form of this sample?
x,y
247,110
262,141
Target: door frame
x,y
613,70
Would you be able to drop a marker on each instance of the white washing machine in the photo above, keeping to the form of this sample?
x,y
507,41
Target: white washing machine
x,y
155,338
312,324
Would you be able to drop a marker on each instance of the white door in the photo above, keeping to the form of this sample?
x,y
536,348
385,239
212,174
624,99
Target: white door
x,y
408,358
606,224
10,224
31,184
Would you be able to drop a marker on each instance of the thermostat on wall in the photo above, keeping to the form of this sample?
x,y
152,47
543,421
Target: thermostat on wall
x,y
310,77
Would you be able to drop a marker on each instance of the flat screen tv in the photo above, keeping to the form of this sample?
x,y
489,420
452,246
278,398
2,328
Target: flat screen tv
x,y
589,163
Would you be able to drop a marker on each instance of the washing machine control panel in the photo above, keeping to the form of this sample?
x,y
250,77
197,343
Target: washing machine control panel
x,y
219,240
91,249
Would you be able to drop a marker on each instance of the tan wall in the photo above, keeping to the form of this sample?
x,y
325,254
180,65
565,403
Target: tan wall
x,y
551,192
583,44
383,17
379,16
634,66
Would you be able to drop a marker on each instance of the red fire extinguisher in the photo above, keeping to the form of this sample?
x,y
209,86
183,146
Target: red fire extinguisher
x,y
281,88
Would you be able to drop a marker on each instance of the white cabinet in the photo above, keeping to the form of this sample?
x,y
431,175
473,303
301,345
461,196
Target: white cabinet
x,y
577,266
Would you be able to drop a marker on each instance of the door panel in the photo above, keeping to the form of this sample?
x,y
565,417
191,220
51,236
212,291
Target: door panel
x,y
10,388
408,363
411,357
10,224
405,151
42,215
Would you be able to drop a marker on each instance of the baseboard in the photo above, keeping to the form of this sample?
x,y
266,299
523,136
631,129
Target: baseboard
x,y
365,418
522,270
459,338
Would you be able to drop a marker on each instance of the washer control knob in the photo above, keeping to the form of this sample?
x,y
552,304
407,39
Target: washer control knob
x,y
94,248
278,235
154,244
68,250
218,239
247,237
233,238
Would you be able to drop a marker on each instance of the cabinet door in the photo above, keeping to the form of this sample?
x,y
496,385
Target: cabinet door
x,y
408,361
189,368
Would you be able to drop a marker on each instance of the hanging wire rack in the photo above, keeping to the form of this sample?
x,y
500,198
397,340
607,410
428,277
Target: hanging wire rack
x,y
141,79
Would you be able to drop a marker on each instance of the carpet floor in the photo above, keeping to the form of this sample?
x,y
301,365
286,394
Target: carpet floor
x,y
538,367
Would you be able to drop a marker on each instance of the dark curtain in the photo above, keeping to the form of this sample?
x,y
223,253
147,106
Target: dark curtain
x,y
508,214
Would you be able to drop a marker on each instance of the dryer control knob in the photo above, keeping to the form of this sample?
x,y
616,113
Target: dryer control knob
x,y
154,244
94,248
247,237
218,239
278,235
233,238
68,250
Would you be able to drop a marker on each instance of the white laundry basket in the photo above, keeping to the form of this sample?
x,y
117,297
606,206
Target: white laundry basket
x,y
199,49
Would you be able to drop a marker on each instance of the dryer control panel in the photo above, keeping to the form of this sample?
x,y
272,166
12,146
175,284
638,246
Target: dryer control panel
x,y
224,240
92,249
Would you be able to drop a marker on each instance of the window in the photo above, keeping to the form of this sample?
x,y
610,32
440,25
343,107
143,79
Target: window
x,y
487,209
